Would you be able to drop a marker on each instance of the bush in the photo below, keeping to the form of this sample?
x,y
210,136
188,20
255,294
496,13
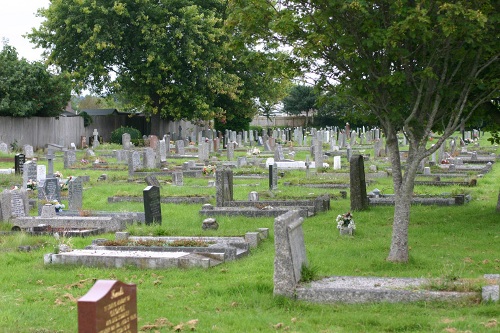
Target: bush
x,y
116,135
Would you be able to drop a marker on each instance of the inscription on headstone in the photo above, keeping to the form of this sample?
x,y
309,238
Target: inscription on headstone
x,y
19,160
152,206
75,193
110,306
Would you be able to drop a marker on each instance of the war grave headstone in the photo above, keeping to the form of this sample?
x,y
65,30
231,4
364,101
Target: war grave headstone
x,y
19,160
359,199
152,206
223,186
75,193
110,306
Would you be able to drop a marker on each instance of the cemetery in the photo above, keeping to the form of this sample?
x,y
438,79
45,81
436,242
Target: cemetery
x,y
223,199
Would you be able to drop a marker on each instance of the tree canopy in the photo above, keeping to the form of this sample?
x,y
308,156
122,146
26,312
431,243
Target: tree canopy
x,y
29,89
417,66
176,58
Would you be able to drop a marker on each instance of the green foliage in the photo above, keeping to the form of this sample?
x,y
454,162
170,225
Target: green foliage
x,y
176,59
30,89
87,119
308,273
116,135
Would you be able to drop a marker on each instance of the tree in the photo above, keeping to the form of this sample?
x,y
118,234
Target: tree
x,y
30,89
416,65
171,58
301,99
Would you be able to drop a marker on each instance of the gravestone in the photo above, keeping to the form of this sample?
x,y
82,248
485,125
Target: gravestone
x,y
359,199
337,163
30,172
253,196
28,151
151,180
126,141
152,205
278,154
95,139
48,192
203,151
163,150
13,203
273,176
230,151
110,306
223,186
179,147
69,158
4,149
75,193
290,252
41,173
19,160
153,141
149,158
178,178
134,162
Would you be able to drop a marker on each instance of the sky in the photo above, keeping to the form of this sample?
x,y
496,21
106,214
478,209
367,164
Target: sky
x,y
17,17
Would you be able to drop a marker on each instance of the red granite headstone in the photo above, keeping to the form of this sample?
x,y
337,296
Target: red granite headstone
x,y
108,307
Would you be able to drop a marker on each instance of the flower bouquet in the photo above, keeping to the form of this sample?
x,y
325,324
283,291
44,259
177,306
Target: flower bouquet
x,y
31,185
345,222
208,170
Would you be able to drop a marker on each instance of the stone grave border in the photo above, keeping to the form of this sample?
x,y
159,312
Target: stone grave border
x,y
290,256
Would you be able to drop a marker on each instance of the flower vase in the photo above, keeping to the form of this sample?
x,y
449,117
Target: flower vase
x,y
346,231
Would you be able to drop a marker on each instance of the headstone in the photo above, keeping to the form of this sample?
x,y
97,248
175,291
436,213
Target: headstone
x,y
230,151
83,142
273,177
178,178
75,193
163,150
134,162
427,171
95,141
19,160
179,147
152,205
30,173
337,163
13,203
41,172
110,306
149,158
359,199
153,141
126,141
210,224
69,158
28,151
253,196
278,154
4,148
49,191
151,180
473,156
290,252
224,187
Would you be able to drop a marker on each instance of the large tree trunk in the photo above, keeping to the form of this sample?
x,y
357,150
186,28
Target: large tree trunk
x,y
403,193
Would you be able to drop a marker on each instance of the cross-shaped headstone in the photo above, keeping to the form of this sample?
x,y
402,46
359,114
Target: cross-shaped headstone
x,y
96,138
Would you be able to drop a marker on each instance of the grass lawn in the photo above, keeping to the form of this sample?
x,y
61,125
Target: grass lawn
x,y
447,242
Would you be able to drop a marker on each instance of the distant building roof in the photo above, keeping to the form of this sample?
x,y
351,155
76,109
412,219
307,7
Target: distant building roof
x,y
102,112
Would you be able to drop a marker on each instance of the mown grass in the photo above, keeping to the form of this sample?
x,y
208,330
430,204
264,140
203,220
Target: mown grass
x,y
459,242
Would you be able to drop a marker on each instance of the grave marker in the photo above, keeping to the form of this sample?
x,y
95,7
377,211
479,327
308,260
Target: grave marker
x,y
28,151
75,193
224,186
126,141
30,172
359,199
152,206
19,160
273,176
151,180
110,306
69,158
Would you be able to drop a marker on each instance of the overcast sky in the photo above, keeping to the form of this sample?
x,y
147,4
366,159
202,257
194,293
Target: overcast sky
x,y
17,17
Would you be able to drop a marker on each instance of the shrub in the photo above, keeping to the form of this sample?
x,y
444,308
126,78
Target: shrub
x,y
116,135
